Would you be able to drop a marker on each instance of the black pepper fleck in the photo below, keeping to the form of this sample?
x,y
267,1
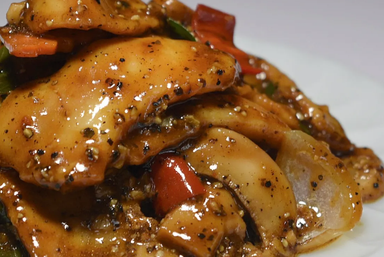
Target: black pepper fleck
x,y
40,152
70,179
178,91
146,149
90,154
115,154
157,103
66,226
201,235
166,97
88,132
202,81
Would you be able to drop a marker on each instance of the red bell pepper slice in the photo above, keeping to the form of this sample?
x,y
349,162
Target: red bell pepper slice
x,y
174,182
217,28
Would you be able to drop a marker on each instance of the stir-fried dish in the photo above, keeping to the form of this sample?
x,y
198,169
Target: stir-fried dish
x,y
140,129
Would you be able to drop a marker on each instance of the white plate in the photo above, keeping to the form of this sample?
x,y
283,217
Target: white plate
x,y
356,101
353,98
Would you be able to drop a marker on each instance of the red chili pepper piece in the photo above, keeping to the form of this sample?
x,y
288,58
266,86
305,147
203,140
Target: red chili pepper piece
x,y
217,28
174,181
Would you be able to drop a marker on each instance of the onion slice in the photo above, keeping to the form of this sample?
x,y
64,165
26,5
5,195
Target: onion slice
x,y
329,201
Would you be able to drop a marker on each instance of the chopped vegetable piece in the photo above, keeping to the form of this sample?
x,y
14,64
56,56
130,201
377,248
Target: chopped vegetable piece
x,y
305,127
217,28
24,45
180,30
4,54
270,89
5,82
174,181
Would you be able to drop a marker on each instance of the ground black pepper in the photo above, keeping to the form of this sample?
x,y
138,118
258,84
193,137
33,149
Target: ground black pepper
x,y
201,235
178,91
54,155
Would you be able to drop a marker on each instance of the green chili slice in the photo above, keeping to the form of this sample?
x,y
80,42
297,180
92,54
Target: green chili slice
x,y
270,89
180,30
6,84
305,127
4,54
